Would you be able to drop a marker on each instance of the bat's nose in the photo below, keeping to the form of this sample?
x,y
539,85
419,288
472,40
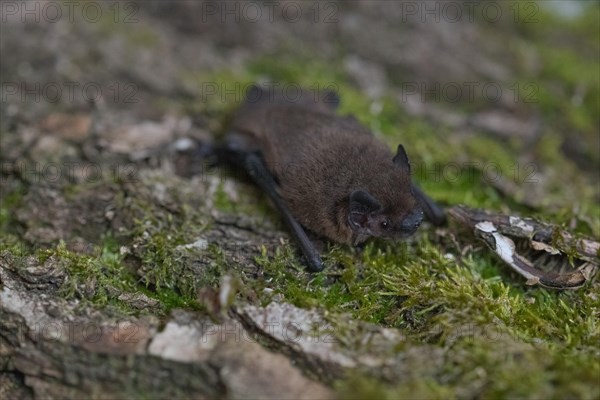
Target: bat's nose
x,y
411,222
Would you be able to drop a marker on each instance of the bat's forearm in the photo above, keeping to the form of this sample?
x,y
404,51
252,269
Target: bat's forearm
x,y
256,168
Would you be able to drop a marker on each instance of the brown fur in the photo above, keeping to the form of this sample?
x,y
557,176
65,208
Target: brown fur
x,y
319,159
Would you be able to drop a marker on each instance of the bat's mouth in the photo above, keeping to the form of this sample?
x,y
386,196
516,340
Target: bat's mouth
x,y
404,233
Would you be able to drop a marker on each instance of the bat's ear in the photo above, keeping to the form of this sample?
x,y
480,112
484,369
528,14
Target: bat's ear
x,y
361,205
401,159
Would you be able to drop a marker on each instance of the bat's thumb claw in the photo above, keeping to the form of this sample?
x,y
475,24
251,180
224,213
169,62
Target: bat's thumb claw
x,y
315,264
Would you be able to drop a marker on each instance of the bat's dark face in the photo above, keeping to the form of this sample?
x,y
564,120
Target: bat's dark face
x,y
368,217
388,211
382,225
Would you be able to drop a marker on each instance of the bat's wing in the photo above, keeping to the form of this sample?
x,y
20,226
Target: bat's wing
x,y
254,165
434,213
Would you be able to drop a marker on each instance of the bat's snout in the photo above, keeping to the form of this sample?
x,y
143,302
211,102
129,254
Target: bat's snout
x,y
412,221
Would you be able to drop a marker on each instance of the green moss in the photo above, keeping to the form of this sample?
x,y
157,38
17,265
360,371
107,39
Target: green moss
x,y
495,336
477,368
483,362
296,69
95,278
418,287
358,386
11,198
101,279
166,264
170,299
569,90
222,200
433,299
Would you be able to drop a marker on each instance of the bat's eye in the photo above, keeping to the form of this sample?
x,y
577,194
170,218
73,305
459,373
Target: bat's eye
x,y
385,224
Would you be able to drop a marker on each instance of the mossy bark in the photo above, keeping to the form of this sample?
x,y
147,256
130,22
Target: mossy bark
x,y
130,267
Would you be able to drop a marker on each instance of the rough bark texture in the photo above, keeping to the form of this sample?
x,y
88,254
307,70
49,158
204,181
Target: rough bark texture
x,y
56,350
128,267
